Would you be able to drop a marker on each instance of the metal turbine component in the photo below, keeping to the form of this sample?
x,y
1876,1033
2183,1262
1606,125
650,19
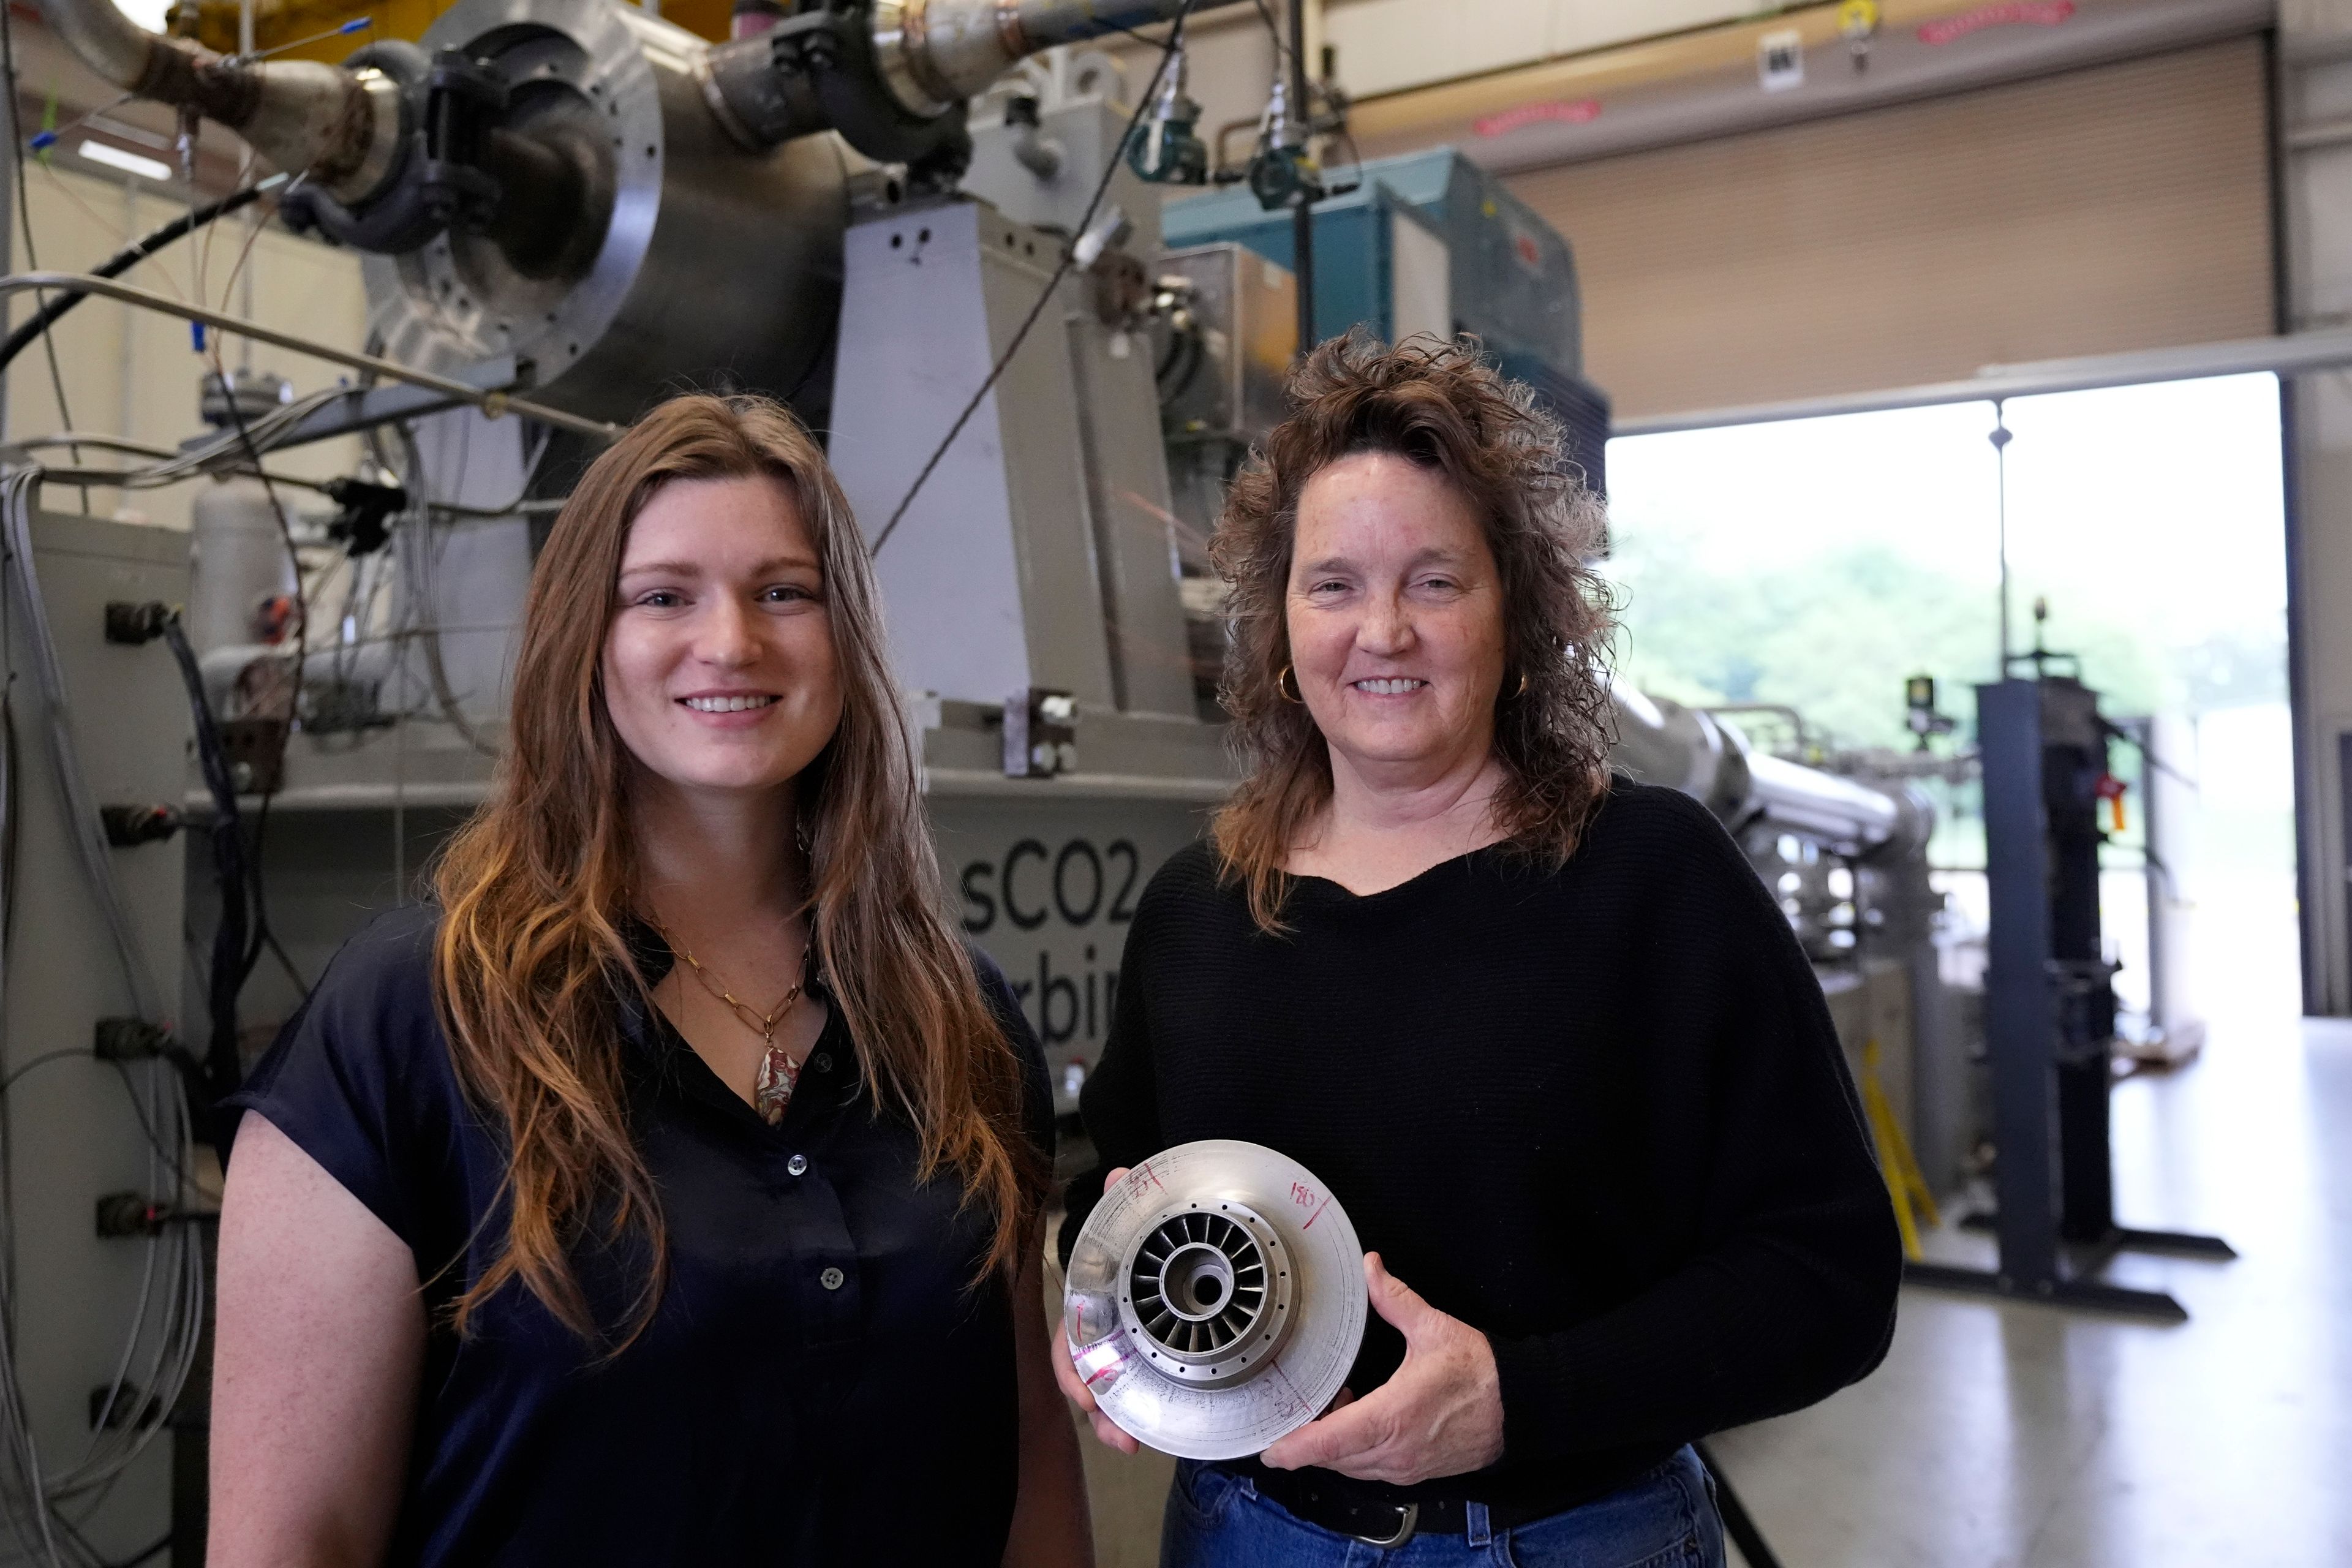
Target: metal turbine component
x,y
715,262
893,75
938,52
1215,1300
341,128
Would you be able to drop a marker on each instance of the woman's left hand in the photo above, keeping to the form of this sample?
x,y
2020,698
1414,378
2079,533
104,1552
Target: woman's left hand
x,y
1441,1415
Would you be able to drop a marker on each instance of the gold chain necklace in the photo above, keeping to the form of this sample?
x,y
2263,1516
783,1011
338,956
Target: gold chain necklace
x,y
771,1091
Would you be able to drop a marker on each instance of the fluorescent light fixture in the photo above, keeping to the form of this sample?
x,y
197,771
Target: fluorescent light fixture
x,y
129,162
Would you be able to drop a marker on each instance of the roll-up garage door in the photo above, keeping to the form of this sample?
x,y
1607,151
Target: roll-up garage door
x,y
2122,208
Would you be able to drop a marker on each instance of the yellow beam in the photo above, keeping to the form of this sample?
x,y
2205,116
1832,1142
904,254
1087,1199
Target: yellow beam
x,y
277,23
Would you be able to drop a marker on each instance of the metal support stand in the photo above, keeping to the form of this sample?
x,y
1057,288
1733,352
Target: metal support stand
x,y
1737,1522
1302,214
2050,1012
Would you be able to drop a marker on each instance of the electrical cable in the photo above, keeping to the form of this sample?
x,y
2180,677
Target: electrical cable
x,y
160,1346
88,836
124,260
423,560
231,933
262,938
1282,53
1069,259
24,212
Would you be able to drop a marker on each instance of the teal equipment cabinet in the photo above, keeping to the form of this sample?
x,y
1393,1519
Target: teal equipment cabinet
x,y
1431,243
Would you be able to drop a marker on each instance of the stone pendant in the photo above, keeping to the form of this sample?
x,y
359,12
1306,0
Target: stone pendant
x,y
772,1090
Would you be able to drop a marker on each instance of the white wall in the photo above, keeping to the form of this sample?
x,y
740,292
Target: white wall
x,y
1385,45
1388,44
134,373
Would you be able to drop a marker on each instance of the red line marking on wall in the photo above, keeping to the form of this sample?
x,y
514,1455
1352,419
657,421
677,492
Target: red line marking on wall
x,y
2008,13
1567,112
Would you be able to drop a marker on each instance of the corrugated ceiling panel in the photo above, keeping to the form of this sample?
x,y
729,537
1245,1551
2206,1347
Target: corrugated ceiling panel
x,y
2121,207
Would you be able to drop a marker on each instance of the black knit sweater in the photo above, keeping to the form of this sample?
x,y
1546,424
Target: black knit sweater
x,y
1598,1113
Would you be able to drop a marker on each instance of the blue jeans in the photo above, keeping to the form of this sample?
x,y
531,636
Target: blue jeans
x,y
1664,1520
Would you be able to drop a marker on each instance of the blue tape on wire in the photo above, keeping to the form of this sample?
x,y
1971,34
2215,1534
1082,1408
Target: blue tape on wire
x,y
43,142
196,334
356,25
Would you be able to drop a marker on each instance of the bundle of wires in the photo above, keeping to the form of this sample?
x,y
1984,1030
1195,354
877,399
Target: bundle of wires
x,y
47,1503
231,962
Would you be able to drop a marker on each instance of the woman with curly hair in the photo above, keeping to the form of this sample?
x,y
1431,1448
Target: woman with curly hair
x,y
668,1189
1539,1029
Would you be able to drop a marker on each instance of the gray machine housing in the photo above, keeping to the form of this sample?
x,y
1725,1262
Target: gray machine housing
x,y
73,1129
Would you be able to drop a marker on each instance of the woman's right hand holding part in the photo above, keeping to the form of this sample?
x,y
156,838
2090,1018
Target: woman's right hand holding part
x,y
1073,1383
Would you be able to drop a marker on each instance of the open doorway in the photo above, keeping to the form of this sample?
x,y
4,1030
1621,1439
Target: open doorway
x,y
1818,563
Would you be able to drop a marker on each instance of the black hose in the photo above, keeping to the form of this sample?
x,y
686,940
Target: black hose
x,y
124,260
222,1067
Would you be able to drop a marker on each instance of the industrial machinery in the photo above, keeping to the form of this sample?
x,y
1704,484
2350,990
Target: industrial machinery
x,y
2051,1007
103,1319
567,207
1215,1300
1431,243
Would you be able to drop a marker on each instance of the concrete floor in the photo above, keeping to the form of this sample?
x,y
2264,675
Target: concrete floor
x,y
2000,1436
2020,1435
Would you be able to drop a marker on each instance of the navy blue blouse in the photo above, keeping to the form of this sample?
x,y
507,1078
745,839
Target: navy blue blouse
x,y
821,1383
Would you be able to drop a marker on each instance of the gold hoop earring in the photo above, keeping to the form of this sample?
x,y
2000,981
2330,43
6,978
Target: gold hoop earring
x,y
1285,690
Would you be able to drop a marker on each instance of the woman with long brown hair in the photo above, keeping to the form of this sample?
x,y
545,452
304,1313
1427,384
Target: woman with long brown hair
x,y
1540,1030
668,1188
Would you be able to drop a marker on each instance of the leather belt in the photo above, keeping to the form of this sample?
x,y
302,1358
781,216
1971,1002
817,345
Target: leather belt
x,y
1381,1523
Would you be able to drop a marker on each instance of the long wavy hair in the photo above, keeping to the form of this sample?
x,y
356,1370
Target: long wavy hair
x,y
532,961
1439,404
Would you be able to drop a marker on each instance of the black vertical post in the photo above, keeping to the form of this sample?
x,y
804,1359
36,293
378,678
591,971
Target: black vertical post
x,y
2073,761
1302,213
2050,1008
2021,1011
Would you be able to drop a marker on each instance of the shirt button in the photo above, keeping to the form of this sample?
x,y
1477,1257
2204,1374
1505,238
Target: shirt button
x,y
797,1166
831,1279
821,1061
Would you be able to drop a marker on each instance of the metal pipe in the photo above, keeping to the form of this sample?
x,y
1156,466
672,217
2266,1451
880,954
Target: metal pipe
x,y
1302,214
108,42
491,403
2289,353
341,128
929,56
953,48
1849,817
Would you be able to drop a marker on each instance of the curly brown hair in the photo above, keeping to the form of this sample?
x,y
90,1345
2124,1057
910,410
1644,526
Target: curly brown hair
x,y
1439,404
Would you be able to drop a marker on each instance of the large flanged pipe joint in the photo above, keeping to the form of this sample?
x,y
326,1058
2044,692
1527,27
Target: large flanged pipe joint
x,y
433,183
543,194
892,77
396,146
845,66
339,129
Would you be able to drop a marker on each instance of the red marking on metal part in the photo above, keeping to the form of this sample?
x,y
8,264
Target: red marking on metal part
x,y
1313,1217
1107,1356
1145,1170
1301,1195
2037,13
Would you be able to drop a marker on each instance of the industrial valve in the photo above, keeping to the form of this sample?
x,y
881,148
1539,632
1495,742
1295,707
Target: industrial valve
x,y
1164,148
